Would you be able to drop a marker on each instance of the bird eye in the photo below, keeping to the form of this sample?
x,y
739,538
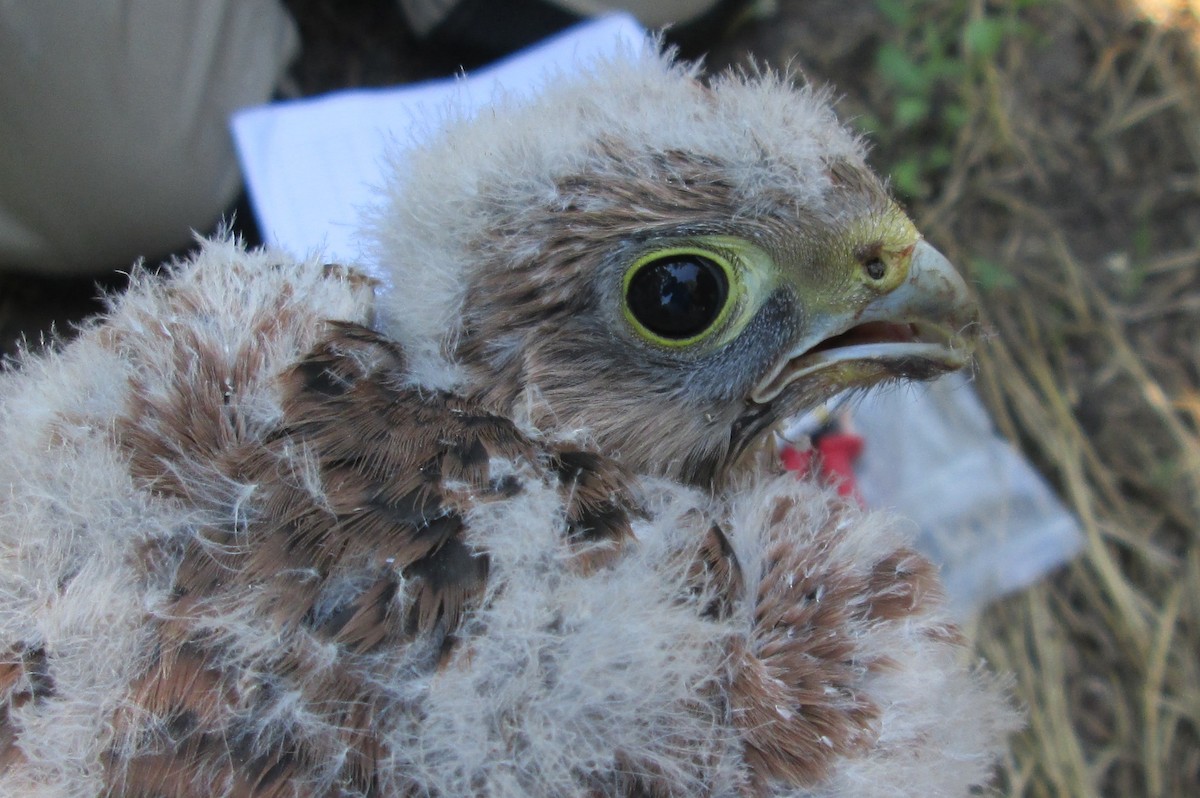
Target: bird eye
x,y
677,297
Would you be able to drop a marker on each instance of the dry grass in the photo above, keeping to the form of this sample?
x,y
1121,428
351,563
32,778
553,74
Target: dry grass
x,y
1094,369
1073,196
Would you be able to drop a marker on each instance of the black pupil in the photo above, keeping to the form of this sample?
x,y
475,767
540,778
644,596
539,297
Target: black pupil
x,y
678,296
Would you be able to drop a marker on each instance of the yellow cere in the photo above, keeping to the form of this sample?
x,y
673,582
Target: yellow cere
x,y
892,236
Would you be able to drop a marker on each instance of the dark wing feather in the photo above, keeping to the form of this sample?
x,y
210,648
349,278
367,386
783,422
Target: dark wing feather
x,y
353,541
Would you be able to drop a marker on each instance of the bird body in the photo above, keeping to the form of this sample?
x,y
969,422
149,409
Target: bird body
x,y
505,526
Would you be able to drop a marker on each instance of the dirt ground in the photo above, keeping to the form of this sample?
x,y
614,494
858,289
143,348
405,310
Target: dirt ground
x,y
1051,148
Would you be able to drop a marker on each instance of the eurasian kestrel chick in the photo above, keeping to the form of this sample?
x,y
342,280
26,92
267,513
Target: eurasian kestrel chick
x,y
503,526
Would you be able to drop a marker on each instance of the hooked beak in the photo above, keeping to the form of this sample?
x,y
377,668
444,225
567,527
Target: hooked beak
x,y
922,328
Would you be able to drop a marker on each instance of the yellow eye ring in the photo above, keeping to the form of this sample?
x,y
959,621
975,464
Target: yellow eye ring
x,y
679,296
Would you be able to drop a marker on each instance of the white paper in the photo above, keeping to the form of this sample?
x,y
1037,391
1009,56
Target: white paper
x,y
311,166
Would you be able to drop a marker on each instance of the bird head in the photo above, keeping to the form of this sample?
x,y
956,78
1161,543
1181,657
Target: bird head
x,y
667,267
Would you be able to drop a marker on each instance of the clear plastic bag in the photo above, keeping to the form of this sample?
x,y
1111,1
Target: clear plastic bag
x,y
984,513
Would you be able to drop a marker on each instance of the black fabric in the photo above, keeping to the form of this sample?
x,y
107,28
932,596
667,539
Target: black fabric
x,y
498,28
478,31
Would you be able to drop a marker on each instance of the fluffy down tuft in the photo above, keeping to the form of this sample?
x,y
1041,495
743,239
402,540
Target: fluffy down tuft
x,y
73,513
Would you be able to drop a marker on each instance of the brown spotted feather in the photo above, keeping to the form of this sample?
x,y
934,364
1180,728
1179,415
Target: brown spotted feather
x,y
797,689
355,537
24,677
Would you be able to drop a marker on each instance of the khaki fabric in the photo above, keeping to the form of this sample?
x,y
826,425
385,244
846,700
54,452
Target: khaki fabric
x,y
114,139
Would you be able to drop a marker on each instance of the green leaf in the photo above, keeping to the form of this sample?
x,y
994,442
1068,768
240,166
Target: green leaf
x,y
868,123
940,157
898,13
910,111
991,276
1143,240
982,37
955,115
907,178
898,68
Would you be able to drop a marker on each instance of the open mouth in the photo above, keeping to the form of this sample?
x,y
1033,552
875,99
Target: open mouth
x,y
894,346
923,327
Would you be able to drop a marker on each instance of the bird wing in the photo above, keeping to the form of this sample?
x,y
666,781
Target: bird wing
x,y
356,540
